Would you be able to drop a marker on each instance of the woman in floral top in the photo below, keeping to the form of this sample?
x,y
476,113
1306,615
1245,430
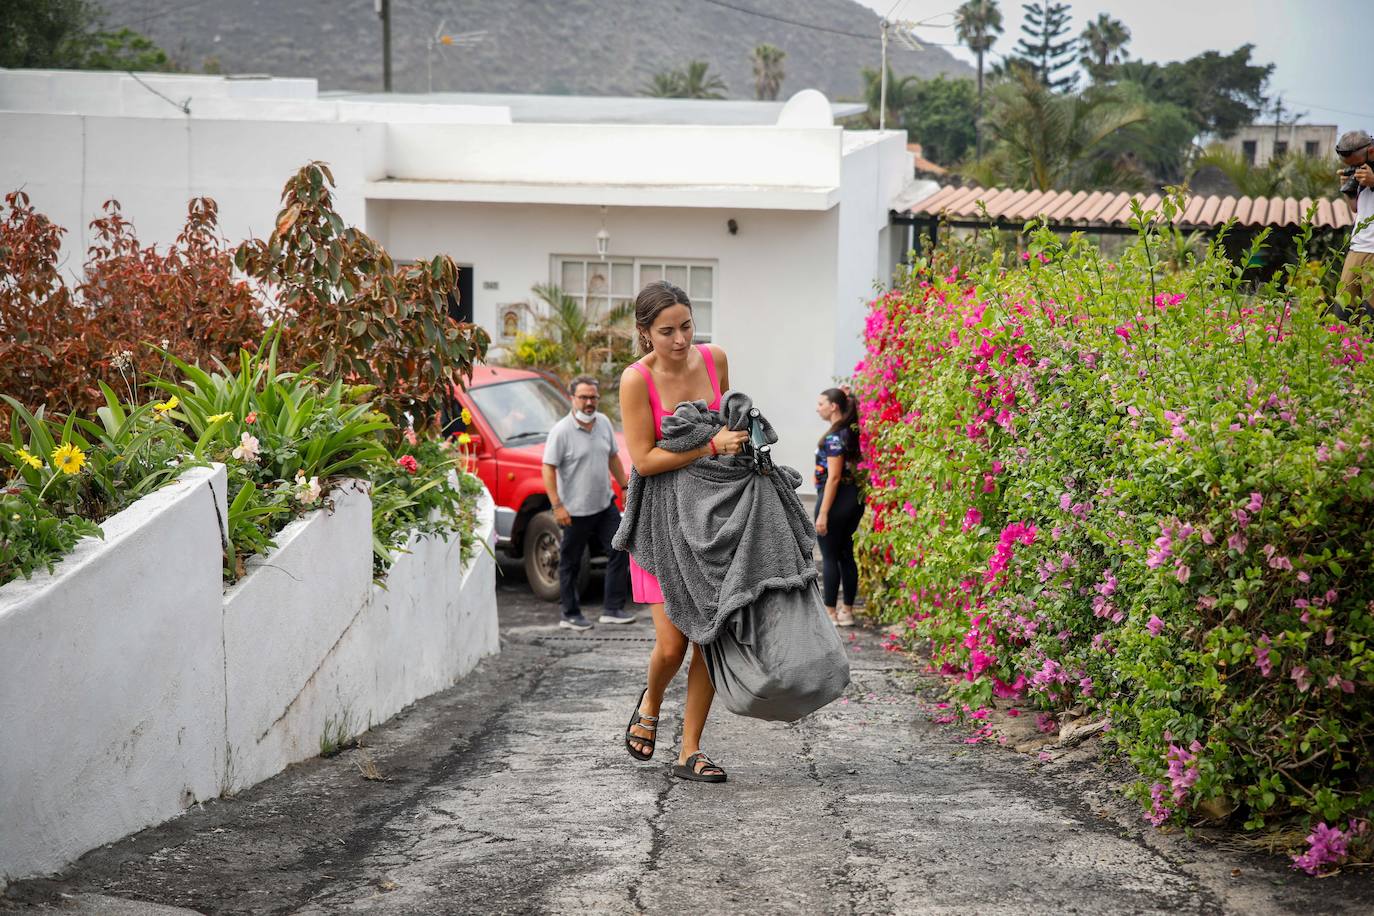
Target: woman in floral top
x,y
838,504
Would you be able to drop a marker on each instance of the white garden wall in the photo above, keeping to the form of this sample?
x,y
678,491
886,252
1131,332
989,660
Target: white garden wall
x,y
112,681
132,685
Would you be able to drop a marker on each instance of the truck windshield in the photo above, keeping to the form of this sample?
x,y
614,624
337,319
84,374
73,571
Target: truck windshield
x,y
521,412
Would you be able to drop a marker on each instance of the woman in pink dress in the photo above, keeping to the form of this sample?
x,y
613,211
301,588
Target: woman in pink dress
x,y
671,371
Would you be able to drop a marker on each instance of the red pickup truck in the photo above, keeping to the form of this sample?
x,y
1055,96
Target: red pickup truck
x,y
511,412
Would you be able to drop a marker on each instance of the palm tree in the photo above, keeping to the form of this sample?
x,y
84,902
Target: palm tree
x,y
978,23
585,336
666,84
1101,44
768,75
901,94
1047,141
699,83
1293,175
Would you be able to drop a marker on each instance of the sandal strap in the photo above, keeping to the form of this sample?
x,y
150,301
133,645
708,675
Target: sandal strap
x,y
707,764
649,722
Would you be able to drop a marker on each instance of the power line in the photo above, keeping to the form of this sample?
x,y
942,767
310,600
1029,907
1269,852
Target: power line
x,y
183,106
786,21
1357,114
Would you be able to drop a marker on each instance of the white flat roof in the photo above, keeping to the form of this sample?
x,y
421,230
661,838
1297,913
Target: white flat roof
x,y
723,197
583,109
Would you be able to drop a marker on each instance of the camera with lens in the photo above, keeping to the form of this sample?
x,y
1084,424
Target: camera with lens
x,y
1349,187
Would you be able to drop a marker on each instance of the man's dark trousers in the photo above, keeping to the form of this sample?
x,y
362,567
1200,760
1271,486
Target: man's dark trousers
x,y
602,528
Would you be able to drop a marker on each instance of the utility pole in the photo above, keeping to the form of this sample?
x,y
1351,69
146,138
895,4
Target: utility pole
x,y
882,82
384,13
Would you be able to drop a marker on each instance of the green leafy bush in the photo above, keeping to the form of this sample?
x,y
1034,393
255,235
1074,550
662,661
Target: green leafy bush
x,y
1143,493
425,491
63,478
33,537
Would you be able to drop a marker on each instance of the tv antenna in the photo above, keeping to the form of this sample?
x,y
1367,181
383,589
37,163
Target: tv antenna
x,y
441,39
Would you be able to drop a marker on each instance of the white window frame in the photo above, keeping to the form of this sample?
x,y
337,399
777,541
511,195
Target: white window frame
x,y
704,329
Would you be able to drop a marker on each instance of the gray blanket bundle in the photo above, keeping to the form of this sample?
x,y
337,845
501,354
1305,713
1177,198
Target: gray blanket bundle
x,y
732,552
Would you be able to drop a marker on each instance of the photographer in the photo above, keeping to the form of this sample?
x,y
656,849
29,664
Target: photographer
x,y
1356,150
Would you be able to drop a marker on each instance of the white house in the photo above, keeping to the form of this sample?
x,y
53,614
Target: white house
x,y
1259,143
775,220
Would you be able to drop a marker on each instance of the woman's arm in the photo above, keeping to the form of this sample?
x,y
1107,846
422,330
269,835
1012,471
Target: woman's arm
x,y
834,468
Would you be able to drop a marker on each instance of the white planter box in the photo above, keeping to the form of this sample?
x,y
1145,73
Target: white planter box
x,y
112,680
132,685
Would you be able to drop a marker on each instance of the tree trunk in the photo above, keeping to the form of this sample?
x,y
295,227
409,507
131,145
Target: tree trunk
x,y
978,116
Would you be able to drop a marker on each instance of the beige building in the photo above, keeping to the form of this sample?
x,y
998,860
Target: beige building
x,y
1259,143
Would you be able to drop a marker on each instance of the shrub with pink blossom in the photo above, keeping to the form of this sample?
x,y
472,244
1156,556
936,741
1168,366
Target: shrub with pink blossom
x,y
1098,482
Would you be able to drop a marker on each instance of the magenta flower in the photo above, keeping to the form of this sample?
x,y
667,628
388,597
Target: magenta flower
x,y
1263,660
1159,812
1182,771
1155,625
1302,677
1326,846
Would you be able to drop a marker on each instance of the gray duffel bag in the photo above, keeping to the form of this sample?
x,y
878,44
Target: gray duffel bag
x,y
779,658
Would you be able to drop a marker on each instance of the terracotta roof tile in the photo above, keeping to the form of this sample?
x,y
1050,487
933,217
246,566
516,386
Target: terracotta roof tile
x,y
1114,209
1029,205
1062,208
1226,208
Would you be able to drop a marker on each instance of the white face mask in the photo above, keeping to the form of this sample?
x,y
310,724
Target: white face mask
x,y
587,417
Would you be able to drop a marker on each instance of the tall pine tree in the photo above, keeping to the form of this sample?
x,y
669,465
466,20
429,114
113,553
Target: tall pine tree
x,y
1046,46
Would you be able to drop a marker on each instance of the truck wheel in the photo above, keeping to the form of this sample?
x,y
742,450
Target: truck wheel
x,y
542,539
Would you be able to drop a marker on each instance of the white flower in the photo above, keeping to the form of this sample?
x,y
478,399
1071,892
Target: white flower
x,y
307,491
247,449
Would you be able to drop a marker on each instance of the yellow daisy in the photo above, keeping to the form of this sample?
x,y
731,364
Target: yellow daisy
x,y
29,459
464,439
467,417
169,404
68,459
215,418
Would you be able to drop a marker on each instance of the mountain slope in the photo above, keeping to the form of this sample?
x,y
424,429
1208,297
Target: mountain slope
x,y
584,47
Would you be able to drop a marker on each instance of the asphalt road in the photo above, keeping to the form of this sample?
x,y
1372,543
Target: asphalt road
x,y
512,793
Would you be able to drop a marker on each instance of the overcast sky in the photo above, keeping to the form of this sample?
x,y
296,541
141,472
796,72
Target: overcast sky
x,y
1321,49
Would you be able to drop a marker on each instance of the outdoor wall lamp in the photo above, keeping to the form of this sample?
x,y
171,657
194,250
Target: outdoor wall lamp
x,y
733,226
603,238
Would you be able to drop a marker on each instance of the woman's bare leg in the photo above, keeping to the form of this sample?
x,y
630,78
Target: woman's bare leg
x,y
700,693
670,647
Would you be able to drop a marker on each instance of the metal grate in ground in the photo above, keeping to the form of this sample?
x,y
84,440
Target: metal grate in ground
x,y
569,637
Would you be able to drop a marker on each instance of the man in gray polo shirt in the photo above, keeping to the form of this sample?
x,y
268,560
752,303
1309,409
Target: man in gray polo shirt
x,y
580,457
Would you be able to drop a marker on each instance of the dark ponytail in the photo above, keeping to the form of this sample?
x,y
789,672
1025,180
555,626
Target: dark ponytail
x,y
848,420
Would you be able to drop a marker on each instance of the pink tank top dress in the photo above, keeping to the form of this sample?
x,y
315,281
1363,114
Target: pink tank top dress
x,y
644,587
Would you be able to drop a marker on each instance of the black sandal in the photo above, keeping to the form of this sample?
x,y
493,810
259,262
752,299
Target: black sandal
x,y
646,722
709,772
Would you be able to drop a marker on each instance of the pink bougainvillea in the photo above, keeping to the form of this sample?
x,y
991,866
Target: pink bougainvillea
x,y
1097,483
